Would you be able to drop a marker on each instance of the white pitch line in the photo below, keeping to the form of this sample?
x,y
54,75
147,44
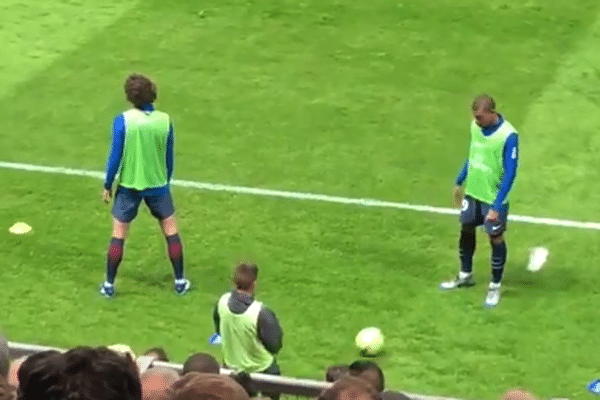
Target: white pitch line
x,y
304,196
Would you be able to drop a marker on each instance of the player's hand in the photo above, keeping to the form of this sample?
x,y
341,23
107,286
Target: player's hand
x,y
106,195
492,215
458,196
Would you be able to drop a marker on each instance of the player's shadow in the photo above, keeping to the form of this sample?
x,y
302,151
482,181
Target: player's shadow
x,y
153,280
546,280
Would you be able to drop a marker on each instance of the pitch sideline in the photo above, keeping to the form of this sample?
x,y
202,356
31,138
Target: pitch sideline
x,y
304,196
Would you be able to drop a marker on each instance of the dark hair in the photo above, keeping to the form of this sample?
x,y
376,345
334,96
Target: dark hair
x,y
140,90
245,275
201,362
484,101
354,387
335,372
82,373
160,353
36,367
362,367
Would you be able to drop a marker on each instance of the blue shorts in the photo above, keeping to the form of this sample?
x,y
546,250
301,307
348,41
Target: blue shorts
x,y
127,202
473,214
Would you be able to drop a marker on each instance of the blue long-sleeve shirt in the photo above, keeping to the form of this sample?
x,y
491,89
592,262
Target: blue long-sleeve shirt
x,y
116,154
509,160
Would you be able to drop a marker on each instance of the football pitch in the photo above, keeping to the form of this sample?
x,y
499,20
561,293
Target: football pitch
x,y
355,99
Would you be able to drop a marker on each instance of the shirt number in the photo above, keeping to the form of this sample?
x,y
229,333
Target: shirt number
x,y
514,153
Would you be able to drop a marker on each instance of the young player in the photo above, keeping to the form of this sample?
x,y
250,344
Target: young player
x,y
488,174
141,158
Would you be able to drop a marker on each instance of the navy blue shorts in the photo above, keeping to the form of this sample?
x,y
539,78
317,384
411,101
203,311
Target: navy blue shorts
x,y
127,203
473,214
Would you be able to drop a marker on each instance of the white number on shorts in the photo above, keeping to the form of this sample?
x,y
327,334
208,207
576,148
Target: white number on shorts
x,y
465,205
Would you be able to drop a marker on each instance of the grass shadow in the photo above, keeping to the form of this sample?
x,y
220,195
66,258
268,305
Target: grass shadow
x,y
547,280
162,281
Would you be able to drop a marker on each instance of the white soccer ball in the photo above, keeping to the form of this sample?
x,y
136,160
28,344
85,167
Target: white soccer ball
x,y
369,341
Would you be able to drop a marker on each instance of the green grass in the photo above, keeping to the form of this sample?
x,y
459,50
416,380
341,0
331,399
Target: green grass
x,y
359,99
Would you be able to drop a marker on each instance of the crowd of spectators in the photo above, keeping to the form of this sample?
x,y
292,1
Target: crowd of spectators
x,y
115,373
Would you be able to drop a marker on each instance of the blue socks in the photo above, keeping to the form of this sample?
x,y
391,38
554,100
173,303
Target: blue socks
x,y
466,249
498,261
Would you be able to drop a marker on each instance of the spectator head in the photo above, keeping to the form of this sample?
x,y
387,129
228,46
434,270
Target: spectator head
x,y
156,382
81,373
370,372
158,353
4,357
201,362
244,277
518,394
140,90
349,388
7,391
335,372
197,386
32,366
13,377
